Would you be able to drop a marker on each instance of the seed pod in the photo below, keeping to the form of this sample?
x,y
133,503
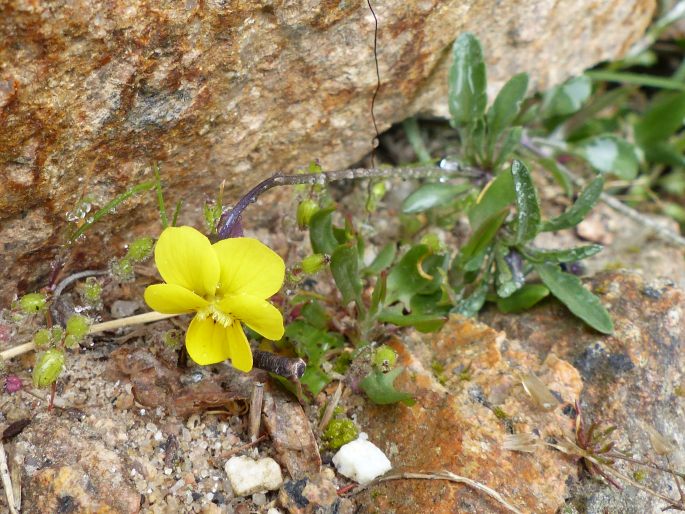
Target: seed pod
x,y
305,211
314,263
48,367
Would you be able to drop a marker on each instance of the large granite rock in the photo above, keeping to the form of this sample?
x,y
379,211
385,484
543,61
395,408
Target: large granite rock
x,y
91,94
466,380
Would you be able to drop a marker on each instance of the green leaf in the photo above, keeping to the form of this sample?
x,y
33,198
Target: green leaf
x,y
321,232
507,280
378,296
506,107
480,239
665,153
345,270
511,141
664,116
575,214
497,196
472,304
638,79
523,299
379,387
404,279
314,314
610,154
562,178
567,98
383,260
312,342
566,255
467,96
421,322
429,196
314,379
528,207
581,302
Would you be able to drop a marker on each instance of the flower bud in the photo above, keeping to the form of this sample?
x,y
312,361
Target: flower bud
x,y
140,249
42,338
71,341
48,367
314,263
78,326
305,211
32,302
384,359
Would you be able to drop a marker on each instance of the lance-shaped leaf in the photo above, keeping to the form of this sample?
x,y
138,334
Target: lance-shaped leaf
x,y
523,299
383,260
467,96
429,196
506,107
576,253
421,322
584,204
581,302
345,270
321,234
528,207
496,197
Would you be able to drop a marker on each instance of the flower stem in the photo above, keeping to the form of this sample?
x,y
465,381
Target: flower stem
x,y
230,219
138,319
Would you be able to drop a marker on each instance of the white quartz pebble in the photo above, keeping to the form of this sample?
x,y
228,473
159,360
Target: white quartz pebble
x,y
361,460
248,476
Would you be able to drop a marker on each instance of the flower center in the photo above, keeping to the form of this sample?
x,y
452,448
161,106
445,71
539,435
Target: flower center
x,y
212,311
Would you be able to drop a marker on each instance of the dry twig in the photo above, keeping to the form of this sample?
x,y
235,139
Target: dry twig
x,y
7,480
444,475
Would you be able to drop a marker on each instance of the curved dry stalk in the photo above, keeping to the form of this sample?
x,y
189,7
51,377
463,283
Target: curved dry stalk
x,y
7,481
138,319
443,475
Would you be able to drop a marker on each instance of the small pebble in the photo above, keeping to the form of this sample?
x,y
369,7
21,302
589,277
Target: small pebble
x,y
361,460
248,476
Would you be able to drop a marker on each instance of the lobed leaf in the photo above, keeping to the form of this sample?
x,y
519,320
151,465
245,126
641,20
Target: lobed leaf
x,y
345,270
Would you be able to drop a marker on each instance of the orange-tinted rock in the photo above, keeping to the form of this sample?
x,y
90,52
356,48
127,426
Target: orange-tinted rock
x,y
632,380
461,424
92,93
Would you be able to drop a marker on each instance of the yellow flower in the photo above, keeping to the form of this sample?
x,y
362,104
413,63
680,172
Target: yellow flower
x,y
225,283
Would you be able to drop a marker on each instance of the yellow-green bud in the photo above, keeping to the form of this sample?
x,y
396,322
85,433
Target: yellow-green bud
x,y
122,269
56,333
78,326
71,341
32,302
42,338
314,263
140,249
48,367
92,291
384,359
432,242
305,211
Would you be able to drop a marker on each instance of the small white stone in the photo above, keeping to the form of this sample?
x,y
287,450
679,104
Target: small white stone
x,y
248,476
273,510
361,460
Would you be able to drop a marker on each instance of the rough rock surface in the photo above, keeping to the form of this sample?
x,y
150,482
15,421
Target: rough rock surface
x,y
632,380
91,94
69,469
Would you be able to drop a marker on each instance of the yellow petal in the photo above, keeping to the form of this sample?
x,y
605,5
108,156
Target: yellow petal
x,y
207,341
258,314
185,257
248,266
172,299
241,353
